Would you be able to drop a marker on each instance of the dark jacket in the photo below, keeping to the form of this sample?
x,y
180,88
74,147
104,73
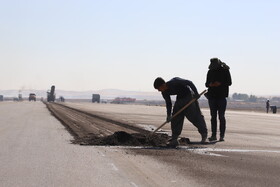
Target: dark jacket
x,y
180,87
221,75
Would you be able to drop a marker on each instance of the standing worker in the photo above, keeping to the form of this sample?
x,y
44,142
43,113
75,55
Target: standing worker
x,y
267,106
185,91
218,81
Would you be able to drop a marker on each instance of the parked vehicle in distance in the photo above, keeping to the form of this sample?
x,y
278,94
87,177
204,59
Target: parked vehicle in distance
x,y
32,97
95,98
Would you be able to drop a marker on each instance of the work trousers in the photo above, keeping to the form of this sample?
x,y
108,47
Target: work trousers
x,y
192,113
218,106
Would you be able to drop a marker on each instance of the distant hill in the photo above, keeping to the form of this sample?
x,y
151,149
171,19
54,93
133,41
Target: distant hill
x,y
105,94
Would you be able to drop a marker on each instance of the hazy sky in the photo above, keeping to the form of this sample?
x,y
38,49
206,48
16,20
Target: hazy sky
x,y
84,45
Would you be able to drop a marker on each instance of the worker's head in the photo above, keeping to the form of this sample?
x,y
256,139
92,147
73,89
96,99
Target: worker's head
x,y
215,63
160,84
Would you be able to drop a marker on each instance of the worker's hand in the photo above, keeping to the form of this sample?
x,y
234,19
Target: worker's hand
x,y
168,118
215,84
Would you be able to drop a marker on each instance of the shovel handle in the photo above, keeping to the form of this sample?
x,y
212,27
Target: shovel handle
x,y
177,113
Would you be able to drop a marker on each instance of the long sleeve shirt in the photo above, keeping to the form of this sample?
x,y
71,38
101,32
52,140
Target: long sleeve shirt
x,y
180,87
220,75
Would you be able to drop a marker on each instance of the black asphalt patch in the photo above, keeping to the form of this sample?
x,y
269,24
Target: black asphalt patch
x,y
122,138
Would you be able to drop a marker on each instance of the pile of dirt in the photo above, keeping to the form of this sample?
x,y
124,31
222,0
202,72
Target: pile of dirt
x,y
121,138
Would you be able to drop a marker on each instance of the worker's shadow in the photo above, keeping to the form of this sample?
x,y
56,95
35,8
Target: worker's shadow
x,y
187,141
199,143
183,145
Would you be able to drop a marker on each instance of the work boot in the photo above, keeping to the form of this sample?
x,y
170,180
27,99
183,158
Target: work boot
x,y
173,143
222,139
203,138
212,138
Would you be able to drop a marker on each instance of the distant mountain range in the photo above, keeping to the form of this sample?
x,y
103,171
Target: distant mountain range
x,y
104,94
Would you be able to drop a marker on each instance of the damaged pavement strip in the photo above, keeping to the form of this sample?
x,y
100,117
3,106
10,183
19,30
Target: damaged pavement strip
x,y
120,138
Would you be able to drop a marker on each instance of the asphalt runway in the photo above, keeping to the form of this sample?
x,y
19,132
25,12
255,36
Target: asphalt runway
x,y
36,150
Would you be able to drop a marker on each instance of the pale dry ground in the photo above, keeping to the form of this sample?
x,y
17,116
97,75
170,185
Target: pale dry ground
x,y
36,151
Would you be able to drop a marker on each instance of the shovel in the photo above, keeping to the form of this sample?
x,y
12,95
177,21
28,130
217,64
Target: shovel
x,y
177,113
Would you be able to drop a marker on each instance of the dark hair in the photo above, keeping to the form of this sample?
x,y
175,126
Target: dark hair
x,y
215,60
215,63
158,82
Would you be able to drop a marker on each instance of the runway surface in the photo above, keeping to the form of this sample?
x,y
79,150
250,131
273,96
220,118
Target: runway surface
x,y
37,150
